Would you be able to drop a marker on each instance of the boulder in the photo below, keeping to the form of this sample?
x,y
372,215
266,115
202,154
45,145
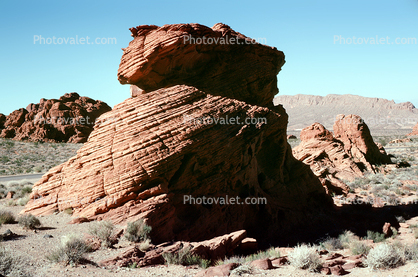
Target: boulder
x,y
183,158
327,158
68,119
358,142
228,64
213,249
263,264
387,230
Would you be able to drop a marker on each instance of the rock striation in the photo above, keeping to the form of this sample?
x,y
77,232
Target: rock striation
x,y
344,155
215,60
68,119
177,156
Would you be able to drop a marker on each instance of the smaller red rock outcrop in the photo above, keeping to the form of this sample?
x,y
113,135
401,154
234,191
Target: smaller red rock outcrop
x,y
344,156
358,142
414,131
213,249
68,119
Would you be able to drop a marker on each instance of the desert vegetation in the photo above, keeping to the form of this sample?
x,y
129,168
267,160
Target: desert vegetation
x,y
17,157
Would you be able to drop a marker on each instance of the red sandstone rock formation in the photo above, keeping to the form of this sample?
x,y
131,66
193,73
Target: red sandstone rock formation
x,y
164,56
68,119
343,157
166,146
358,142
414,131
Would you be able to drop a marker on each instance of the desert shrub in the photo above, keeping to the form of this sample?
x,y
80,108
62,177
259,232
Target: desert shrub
x,y
384,256
37,169
269,253
70,252
69,211
6,217
331,244
137,231
305,257
411,252
185,257
26,190
11,203
29,221
359,182
375,236
347,238
358,247
243,269
23,201
145,245
13,265
102,230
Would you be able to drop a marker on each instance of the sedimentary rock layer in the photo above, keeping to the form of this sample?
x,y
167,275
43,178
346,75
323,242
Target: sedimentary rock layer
x,y
344,155
153,151
216,60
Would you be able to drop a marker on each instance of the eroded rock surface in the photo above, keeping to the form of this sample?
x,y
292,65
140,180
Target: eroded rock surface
x,y
160,154
68,119
154,156
170,55
345,155
358,142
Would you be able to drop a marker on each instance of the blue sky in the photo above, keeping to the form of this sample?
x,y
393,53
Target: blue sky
x,y
304,30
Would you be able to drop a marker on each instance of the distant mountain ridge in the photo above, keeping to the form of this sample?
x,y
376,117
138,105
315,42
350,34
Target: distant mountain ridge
x,y
383,116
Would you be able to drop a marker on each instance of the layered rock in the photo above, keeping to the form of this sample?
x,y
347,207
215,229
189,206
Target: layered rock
x,y
156,154
343,156
358,142
68,119
216,60
176,156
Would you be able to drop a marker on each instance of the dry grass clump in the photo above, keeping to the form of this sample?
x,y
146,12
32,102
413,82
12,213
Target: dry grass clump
x,y
305,257
70,252
358,247
29,221
104,230
185,257
137,231
332,244
13,265
269,253
375,236
243,269
6,217
384,256
348,240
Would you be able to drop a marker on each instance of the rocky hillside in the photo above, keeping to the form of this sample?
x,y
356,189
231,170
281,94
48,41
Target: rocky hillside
x,y
381,115
68,119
